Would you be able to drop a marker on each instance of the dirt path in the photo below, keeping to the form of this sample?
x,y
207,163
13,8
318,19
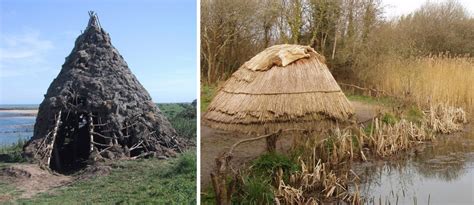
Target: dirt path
x,y
215,142
31,180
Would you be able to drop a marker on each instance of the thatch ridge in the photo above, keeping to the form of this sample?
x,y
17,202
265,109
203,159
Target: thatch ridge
x,y
277,97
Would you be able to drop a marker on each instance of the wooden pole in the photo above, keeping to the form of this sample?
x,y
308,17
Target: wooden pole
x,y
50,146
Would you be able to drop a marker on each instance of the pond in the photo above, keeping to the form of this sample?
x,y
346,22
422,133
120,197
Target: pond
x,y
436,173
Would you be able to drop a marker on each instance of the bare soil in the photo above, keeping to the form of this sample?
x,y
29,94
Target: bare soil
x,y
30,179
215,142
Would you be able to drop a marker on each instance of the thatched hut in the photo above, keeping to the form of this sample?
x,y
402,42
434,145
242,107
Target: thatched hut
x,y
282,88
96,109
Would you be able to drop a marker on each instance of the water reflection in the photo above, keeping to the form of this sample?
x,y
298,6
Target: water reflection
x,y
440,173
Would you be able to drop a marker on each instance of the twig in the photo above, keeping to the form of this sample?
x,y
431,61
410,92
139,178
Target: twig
x,y
104,145
136,145
365,89
145,154
101,135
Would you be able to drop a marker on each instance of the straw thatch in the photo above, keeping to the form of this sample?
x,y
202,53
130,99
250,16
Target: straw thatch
x,y
283,87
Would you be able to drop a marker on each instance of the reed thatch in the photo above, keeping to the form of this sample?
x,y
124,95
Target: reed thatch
x,y
283,87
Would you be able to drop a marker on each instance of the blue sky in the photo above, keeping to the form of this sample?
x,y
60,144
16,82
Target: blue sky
x,y
156,38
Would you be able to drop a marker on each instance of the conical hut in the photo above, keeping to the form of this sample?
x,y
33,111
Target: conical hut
x,y
284,87
96,109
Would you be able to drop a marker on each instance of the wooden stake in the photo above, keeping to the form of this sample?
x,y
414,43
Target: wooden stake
x,y
50,146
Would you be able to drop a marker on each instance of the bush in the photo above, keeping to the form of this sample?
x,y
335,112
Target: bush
x,y
389,118
12,153
415,115
268,164
186,163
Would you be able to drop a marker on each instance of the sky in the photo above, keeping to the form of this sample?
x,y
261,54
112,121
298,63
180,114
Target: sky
x,y
394,8
156,38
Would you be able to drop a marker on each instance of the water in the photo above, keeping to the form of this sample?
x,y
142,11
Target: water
x,y
19,106
439,173
16,124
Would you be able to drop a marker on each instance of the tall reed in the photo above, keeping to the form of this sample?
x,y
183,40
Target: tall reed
x,y
429,80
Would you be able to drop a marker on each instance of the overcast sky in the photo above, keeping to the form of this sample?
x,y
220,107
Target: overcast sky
x,y
395,8
156,38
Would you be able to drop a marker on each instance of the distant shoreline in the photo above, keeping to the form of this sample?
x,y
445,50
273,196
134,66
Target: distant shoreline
x,y
20,112
17,108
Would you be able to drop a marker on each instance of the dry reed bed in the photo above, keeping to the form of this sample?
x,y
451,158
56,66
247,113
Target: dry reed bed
x,y
429,80
445,119
317,179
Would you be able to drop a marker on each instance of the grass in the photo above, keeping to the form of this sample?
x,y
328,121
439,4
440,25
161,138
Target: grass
x,y
389,118
147,181
257,190
170,110
7,191
12,153
414,114
268,163
256,186
207,93
182,117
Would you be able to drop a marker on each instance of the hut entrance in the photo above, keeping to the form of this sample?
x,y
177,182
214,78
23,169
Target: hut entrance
x,y
72,145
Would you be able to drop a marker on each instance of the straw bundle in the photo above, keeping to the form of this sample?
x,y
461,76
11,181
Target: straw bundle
x,y
283,87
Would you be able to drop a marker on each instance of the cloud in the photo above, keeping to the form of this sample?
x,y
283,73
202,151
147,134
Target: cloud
x,y
23,53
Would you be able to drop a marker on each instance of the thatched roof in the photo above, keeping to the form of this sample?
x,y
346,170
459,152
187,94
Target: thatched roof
x,y
283,87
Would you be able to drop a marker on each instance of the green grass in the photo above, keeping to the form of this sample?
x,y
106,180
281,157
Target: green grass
x,y
182,117
147,181
12,153
256,186
389,118
170,110
207,93
185,127
415,114
267,164
256,190
8,191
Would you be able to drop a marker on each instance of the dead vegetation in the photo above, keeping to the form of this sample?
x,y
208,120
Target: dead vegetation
x,y
323,174
445,119
429,80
